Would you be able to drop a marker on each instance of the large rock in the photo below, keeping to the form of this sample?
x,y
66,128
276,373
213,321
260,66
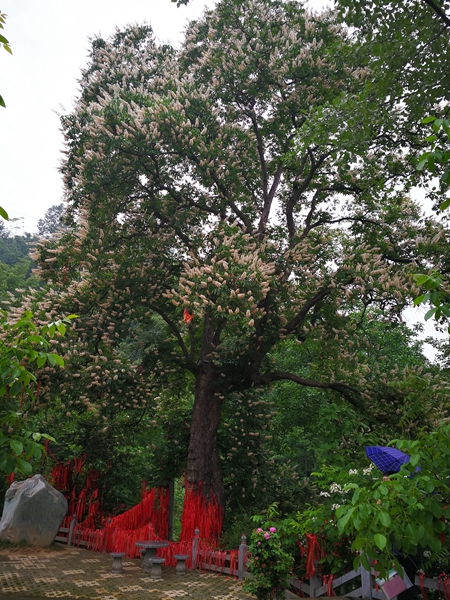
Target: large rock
x,y
33,512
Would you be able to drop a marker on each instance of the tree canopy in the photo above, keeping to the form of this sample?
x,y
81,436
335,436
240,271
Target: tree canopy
x,y
247,189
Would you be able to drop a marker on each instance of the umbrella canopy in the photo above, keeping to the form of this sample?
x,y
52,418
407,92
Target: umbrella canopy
x,y
388,460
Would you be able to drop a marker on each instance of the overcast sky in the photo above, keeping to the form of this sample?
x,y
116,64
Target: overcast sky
x,y
49,40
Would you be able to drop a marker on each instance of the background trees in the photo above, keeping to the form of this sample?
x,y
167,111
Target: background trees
x,y
52,221
15,263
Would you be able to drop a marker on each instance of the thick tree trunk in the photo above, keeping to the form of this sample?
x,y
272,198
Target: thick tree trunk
x,y
203,465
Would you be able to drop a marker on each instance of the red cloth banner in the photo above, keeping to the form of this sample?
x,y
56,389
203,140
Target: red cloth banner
x,y
202,513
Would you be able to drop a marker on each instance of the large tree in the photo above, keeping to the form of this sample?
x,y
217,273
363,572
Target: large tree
x,y
246,188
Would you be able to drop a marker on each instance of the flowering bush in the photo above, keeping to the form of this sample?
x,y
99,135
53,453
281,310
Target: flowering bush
x,y
409,511
269,565
333,551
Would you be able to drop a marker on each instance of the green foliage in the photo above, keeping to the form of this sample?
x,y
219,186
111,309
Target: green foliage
x,y
23,346
269,564
236,524
20,445
15,262
437,162
23,343
436,295
312,429
3,41
408,511
328,493
13,247
437,159
408,42
15,280
245,447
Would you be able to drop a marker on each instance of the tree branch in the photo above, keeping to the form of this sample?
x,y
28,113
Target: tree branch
x,y
268,201
298,191
344,389
438,10
175,331
300,316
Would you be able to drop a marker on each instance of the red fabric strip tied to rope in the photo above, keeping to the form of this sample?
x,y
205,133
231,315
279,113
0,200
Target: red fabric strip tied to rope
x,y
198,511
234,562
328,581
422,585
312,554
447,587
445,580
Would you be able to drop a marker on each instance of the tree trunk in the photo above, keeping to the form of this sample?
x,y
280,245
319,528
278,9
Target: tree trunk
x,y
203,465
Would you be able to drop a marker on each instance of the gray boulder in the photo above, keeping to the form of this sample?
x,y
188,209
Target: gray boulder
x,y
33,512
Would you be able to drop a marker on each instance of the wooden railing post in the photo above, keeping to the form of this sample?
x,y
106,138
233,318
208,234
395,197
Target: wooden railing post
x,y
195,546
366,583
241,557
314,582
73,522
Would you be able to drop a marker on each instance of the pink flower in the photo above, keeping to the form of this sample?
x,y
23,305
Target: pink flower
x,y
259,530
267,535
272,529
259,543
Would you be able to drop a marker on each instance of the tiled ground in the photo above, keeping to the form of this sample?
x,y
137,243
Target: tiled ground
x,y
77,573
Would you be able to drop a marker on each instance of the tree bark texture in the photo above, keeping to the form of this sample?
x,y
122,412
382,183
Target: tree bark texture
x,y
203,465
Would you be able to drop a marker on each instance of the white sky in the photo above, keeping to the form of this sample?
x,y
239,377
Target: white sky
x,y
49,40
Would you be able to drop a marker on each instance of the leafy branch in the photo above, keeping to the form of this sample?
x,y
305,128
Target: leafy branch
x,y
23,347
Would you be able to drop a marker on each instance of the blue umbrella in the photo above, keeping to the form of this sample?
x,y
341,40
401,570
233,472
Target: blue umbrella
x,y
388,460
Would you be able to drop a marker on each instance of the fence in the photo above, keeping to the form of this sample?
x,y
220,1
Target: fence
x,y
204,557
327,586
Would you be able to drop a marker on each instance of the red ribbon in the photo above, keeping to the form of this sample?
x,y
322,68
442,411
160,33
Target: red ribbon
x,y
312,554
328,581
201,512
422,585
445,579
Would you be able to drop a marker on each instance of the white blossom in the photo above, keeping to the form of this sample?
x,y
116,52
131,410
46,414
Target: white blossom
x,y
335,487
368,470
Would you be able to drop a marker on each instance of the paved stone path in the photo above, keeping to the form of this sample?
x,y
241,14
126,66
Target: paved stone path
x,y
78,573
